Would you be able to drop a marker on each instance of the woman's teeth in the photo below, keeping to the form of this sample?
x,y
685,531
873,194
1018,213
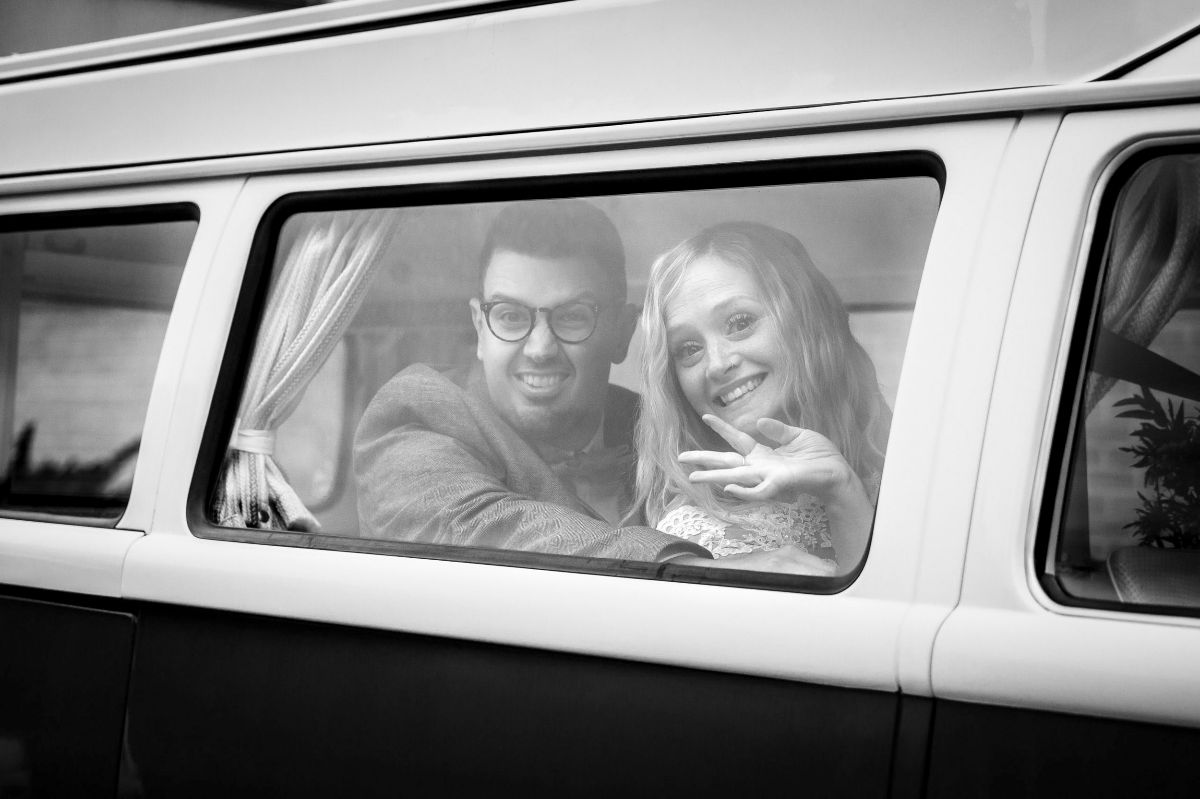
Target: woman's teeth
x,y
739,391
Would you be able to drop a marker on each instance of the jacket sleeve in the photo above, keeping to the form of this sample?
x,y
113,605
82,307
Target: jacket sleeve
x,y
417,483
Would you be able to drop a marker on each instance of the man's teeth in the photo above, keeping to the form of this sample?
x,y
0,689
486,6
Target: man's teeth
x,y
541,381
744,388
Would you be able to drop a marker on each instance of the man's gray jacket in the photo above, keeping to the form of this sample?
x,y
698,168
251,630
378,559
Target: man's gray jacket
x,y
436,464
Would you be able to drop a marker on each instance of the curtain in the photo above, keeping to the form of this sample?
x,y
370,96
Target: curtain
x,y
315,295
1151,255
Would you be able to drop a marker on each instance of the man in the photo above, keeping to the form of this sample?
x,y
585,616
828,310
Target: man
x,y
530,449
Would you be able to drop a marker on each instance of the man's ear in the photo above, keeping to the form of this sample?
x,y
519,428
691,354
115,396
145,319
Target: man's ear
x,y
480,326
627,320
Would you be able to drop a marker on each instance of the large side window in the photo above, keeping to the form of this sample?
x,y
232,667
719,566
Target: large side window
x,y
84,302
1127,525
496,376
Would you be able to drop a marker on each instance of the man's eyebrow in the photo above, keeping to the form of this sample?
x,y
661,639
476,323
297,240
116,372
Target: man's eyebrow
x,y
585,296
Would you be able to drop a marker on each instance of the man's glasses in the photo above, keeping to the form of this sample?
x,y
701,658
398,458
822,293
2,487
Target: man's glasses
x,y
571,322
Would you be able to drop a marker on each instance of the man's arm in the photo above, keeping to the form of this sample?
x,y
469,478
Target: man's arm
x,y
419,485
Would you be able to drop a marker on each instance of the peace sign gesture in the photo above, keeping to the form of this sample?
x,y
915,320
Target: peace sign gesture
x,y
803,462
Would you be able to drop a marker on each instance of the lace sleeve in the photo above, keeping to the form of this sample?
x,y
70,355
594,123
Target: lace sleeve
x,y
754,526
699,526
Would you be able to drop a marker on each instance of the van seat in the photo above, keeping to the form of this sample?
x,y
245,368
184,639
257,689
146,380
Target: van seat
x,y
1153,576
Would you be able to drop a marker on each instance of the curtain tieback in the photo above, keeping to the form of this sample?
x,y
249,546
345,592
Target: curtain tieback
x,y
259,442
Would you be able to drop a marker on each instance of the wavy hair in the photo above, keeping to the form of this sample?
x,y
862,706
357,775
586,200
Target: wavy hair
x,y
828,380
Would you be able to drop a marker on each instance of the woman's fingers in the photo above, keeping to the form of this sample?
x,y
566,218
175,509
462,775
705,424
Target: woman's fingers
x,y
741,442
712,460
777,431
743,475
747,494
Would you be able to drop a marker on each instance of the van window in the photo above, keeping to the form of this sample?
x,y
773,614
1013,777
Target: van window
x,y
1129,528
83,309
456,379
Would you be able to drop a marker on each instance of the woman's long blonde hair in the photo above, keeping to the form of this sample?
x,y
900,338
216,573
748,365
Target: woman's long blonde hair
x,y
827,377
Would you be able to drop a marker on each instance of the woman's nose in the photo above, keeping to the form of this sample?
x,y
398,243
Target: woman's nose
x,y
541,343
722,358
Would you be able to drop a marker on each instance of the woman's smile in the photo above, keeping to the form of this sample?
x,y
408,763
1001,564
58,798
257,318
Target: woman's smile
x,y
724,345
741,389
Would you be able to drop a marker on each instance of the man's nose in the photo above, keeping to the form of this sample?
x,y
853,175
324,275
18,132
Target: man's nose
x,y
541,344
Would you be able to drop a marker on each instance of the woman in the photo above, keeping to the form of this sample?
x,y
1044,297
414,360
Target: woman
x,y
762,424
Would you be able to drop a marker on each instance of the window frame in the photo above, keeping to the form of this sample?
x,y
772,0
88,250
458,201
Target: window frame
x,y
253,297
111,216
1067,424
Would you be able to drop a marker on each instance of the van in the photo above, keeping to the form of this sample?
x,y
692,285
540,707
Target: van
x,y
218,245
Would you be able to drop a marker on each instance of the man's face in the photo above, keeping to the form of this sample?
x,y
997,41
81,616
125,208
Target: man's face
x,y
551,393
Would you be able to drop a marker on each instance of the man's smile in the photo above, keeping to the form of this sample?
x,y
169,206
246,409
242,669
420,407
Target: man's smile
x,y
539,384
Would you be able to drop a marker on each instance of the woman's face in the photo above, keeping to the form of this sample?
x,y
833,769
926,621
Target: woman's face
x,y
724,347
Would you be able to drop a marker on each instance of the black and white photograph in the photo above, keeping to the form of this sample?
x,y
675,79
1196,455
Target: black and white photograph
x,y
599,398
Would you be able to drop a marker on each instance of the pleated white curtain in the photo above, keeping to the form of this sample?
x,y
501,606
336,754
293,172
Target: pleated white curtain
x,y
315,296
1152,255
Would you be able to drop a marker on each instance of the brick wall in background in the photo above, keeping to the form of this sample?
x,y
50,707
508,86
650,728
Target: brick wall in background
x,y
84,377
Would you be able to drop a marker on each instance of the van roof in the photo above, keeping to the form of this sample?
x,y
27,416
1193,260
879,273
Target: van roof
x,y
822,52
385,73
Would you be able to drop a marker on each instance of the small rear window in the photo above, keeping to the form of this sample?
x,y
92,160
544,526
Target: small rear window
x,y
1127,522
84,305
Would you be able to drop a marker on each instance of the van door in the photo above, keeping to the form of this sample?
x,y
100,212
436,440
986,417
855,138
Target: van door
x,y
1077,635
90,331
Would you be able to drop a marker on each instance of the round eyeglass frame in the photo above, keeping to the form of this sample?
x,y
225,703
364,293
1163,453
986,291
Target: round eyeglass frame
x,y
486,308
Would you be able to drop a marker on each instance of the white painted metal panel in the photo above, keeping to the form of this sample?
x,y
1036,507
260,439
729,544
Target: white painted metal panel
x,y
63,557
986,277
1012,102
68,557
1007,643
847,639
1030,43
569,64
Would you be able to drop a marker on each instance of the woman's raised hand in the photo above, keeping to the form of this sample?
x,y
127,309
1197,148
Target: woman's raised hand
x,y
802,462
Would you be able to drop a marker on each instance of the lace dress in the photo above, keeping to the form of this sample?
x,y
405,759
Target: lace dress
x,y
752,526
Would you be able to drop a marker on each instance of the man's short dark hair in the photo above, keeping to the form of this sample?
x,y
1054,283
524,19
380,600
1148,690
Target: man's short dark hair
x,y
558,229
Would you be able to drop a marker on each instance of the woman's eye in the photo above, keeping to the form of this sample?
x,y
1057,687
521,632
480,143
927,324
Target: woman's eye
x,y
687,353
741,321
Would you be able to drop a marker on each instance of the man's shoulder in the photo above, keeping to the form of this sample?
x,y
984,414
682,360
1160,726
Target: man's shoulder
x,y
419,384
420,394
621,408
421,375
622,400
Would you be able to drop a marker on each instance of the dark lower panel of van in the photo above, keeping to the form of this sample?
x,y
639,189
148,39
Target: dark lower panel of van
x,y
64,672
983,751
224,704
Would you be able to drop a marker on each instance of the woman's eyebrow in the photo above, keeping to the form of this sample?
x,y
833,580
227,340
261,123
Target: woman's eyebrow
x,y
677,328
720,308
736,299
